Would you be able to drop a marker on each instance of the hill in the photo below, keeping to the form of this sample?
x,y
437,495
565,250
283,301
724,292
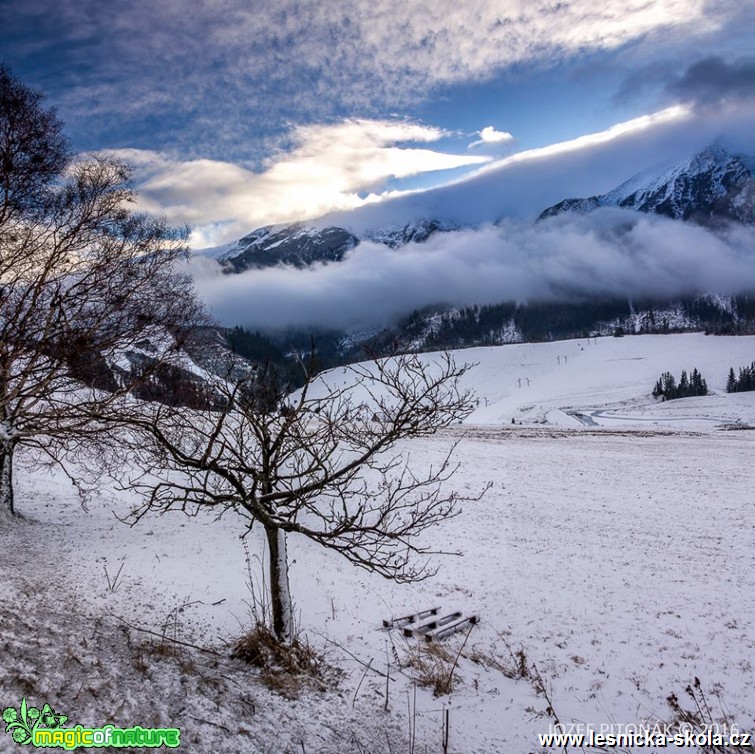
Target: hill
x,y
601,564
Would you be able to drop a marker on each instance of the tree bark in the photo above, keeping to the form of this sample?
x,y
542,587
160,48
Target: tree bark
x,y
6,478
280,593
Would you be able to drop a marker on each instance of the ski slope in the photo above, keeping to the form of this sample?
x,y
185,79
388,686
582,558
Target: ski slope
x,y
609,380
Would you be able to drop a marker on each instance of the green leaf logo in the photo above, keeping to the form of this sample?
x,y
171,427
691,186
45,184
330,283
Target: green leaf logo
x,y
21,723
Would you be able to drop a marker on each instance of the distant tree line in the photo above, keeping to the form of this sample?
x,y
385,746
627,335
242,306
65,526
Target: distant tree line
x,y
668,389
254,346
441,327
437,328
743,383
280,355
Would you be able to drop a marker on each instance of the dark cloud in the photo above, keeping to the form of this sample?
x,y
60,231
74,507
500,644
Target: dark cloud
x,y
647,78
713,81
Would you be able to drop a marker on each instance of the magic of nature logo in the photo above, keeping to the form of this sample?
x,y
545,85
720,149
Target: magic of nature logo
x,y
44,728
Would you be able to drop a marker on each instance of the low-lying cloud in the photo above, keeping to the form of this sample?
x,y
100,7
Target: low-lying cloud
x,y
606,253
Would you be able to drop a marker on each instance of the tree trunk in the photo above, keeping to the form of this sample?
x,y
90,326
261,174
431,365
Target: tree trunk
x,y
6,478
280,594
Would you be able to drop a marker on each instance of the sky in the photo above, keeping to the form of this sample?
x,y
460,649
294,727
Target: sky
x,y
237,113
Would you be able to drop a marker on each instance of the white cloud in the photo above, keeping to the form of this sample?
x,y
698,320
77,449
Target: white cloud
x,y
331,168
607,253
409,46
327,169
635,126
226,63
489,135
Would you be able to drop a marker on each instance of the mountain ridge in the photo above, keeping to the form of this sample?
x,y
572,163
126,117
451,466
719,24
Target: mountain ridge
x,y
712,187
302,245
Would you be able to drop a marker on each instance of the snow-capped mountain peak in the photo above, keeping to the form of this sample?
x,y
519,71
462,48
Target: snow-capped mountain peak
x,y
712,186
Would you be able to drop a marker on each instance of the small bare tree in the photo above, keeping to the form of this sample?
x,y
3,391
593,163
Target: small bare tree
x,y
324,462
84,281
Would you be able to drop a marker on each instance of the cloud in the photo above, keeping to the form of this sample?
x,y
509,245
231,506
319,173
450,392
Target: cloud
x,y
328,167
587,142
607,253
489,135
214,70
712,82
333,167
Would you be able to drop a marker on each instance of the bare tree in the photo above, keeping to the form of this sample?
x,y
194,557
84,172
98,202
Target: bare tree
x,y
33,150
326,462
84,281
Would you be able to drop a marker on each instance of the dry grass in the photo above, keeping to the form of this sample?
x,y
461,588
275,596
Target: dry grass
x,y
284,668
512,665
433,665
701,715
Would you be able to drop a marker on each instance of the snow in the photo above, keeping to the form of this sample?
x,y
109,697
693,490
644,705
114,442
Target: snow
x,y
672,183
612,376
617,552
648,182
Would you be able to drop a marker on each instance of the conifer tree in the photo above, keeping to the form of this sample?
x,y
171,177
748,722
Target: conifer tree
x,y
684,385
731,382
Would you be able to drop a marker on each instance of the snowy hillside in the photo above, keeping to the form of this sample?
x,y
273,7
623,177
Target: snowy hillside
x,y
715,184
611,563
601,381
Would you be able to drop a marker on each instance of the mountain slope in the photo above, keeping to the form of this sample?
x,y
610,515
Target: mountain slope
x,y
302,245
416,231
714,185
296,245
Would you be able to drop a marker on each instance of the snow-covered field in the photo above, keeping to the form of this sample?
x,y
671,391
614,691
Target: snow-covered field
x,y
613,556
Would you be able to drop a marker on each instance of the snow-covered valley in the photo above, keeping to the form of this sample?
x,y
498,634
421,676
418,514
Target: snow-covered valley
x,y
611,562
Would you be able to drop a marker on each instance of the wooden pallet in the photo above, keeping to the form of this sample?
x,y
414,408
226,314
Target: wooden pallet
x,y
450,628
405,620
432,624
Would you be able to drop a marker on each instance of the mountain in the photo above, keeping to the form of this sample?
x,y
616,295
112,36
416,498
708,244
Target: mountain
x,y
714,185
301,245
296,245
711,187
416,231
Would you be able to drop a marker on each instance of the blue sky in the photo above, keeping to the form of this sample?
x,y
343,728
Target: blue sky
x,y
240,112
